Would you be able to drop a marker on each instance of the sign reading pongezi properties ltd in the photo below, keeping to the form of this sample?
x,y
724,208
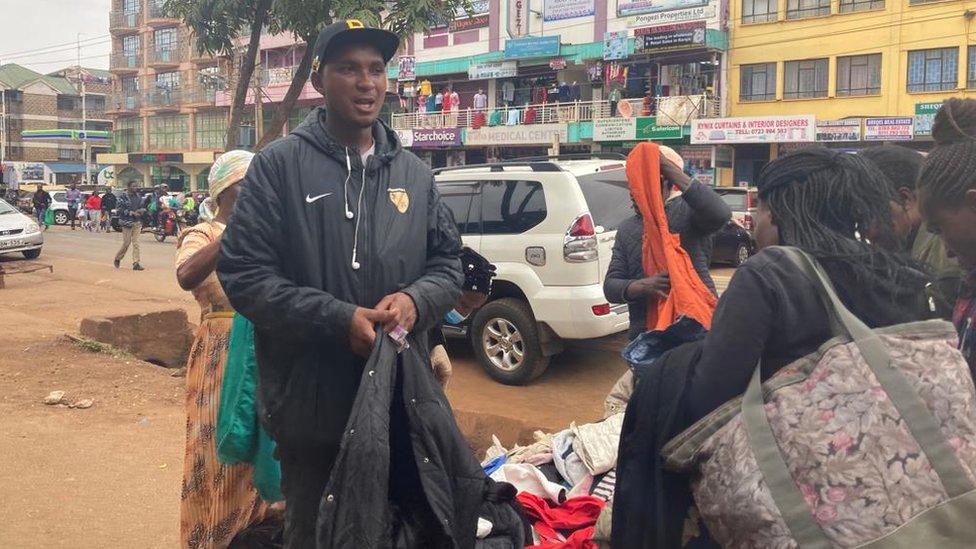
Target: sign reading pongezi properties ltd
x,y
534,134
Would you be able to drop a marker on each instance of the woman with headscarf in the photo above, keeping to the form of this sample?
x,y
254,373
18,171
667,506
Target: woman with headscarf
x,y
217,501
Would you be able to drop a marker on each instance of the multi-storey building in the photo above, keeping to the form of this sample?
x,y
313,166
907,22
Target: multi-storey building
x,y
842,73
168,126
33,101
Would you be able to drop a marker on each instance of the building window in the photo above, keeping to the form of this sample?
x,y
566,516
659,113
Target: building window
x,y
165,39
68,102
849,6
168,132
971,68
130,85
758,82
933,70
131,6
211,129
799,9
168,80
805,79
128,134
130,45
859,75
69,154
759,11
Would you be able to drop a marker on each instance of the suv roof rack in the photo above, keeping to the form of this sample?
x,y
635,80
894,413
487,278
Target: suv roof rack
x,y
537,166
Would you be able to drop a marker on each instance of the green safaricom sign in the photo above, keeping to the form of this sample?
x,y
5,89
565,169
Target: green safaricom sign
x,y
647,128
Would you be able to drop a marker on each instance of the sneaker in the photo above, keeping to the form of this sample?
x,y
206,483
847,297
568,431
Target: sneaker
x,y
117,263
137,267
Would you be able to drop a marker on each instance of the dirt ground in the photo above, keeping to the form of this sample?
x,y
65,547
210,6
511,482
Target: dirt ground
x,y
109,476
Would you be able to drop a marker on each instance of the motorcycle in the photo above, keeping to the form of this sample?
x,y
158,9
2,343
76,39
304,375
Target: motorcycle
x,y
170,224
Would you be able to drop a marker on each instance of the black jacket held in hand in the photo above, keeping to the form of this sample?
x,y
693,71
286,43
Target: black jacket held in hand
x,y
286,264
405,477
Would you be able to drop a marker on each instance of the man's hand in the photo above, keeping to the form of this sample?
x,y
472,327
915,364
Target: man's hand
x,y
658,285
469,301
362,329
673,174
404,311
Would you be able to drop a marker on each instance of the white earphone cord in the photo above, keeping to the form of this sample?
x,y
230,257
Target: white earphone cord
x,y
359,216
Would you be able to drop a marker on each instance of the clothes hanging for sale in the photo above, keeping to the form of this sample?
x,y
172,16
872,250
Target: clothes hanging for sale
x,y
508,91
569,525
530,115
662,251
513,117
425,87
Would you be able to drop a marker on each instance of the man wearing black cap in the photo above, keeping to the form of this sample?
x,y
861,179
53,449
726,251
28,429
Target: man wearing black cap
x,y
337,230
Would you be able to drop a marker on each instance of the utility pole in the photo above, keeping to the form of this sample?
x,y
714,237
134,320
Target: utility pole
x,y
258,105
84,118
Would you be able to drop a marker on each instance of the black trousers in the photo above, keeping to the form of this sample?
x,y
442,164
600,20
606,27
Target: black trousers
x,y
304,474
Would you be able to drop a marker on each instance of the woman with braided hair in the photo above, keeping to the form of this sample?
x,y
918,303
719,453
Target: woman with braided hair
x,y
821,201
947,191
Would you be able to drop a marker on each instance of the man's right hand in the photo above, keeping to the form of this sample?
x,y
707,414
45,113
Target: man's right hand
x,y
658,285
362,329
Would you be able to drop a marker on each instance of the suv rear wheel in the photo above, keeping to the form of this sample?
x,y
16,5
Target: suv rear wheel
x,y
60,217
506,340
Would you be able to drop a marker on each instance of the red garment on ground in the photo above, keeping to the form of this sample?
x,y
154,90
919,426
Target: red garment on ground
x,y
662,250
576,516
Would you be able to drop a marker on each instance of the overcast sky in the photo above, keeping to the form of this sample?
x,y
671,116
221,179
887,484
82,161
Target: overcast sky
x,y
35,32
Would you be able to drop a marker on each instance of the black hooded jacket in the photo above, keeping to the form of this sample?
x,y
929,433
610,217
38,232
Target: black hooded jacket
x,y
286,263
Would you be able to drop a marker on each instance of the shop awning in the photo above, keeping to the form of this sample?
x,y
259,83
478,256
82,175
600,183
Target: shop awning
x,y
72,167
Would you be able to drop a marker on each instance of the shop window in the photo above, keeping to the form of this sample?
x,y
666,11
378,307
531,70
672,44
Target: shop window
x,y
758,82
933,70
859,75
211,129
850,6
971,68
805,79
759,11
511,207
799,9
168,132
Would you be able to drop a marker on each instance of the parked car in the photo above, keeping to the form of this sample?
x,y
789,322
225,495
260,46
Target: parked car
x,y
19,233
742,201
549,227
733,245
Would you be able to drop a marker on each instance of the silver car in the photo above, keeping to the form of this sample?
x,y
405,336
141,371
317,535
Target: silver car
x,y
19,233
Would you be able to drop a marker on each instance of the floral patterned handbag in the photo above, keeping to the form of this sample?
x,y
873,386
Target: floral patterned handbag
x,y
868,442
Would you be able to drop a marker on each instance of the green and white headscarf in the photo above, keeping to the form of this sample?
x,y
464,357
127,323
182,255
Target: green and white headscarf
x,y
226,172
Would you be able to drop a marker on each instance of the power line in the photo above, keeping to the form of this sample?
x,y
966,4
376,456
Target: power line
x,y
72,45
73,59
34,54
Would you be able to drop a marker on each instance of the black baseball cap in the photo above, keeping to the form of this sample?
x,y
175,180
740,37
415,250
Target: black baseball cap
x,y
351,31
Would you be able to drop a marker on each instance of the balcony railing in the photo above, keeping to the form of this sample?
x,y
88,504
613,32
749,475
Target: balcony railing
x,y
164,98
198,96
156,12
277,76
125,61
166,56
123,20
670,111
124,102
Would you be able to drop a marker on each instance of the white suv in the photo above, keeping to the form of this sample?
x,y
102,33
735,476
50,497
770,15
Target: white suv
x,y
549,226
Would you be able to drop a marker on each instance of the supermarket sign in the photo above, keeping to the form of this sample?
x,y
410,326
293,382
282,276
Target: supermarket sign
x,y
643,128
758,129
889,129
925,118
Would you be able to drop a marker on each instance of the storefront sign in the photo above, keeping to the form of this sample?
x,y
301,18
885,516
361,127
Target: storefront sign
x,y
157,158
436,137
643,128
637,7
488,71
836,131
408,68
925,117
518,18
760,129
888,129
615,45
469,23
671,37
698,13
557,10
533,134
405,137
557,64
533,46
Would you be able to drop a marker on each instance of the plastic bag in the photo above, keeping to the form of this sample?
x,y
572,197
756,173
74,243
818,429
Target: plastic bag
x,y
49,217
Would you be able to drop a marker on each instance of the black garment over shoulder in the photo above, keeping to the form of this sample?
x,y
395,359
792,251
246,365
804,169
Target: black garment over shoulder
x,y
771,312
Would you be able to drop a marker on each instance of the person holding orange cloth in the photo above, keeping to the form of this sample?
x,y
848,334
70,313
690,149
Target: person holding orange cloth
x,y
661,255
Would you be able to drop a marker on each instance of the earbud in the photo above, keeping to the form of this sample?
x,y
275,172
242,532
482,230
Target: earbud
x,y
349,214
355,265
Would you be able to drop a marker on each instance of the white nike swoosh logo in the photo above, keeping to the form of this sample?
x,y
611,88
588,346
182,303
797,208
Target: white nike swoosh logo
x,y
309,198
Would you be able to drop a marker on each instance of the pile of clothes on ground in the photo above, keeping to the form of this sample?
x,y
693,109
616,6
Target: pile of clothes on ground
x,y
565,482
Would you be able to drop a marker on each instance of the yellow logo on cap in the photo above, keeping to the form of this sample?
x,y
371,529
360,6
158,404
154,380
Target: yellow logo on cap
x,y
355,24
315,64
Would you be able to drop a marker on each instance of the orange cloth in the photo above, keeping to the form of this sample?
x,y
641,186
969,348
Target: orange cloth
x,y
662,250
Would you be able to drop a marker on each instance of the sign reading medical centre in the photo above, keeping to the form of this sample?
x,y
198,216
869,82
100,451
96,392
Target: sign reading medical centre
x,y
638,7
760,129
671,37
557,10
889,129
707,13
436,137
532,134
497,69
642,128
838,131
533,46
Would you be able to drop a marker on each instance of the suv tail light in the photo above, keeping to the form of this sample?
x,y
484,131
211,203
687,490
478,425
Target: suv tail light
x,y
580,245
601,310
747,222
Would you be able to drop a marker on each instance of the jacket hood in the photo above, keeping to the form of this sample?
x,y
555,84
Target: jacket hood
x,y
312,129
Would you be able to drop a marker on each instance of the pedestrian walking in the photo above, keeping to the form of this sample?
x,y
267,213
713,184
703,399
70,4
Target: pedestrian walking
x,y
41,201
93,209
73,196
218,501
131,214
947,188
109,203
337,229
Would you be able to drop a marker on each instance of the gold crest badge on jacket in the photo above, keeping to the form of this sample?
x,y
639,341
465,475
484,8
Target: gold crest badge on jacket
x,y
400,199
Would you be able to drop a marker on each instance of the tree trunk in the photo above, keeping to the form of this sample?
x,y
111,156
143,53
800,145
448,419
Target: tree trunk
x,y
298,80
261,10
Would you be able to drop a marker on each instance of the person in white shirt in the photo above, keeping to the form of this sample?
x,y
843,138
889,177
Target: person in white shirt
x,y
480,101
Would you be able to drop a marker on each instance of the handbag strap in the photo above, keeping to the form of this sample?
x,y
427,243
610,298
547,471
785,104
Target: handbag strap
x,y
918,418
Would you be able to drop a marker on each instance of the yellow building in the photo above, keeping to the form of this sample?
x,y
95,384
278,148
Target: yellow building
x,y
847,59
